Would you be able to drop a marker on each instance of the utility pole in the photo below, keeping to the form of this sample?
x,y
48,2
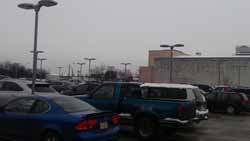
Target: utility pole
x,y
171,58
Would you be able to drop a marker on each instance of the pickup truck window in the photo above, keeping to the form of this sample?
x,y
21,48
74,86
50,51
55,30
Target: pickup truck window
x,y
104,92
164,93
131,91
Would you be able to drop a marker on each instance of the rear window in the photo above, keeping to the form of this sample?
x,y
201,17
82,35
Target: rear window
x,y
164,93
42,88
72,105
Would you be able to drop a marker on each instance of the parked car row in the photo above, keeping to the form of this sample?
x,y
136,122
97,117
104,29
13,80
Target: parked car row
x,y
48,115
91,110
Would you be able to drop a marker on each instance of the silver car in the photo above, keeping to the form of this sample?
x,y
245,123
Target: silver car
x,y
13,88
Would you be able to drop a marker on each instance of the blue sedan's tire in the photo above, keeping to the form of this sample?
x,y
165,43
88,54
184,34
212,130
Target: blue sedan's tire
x,y
52,136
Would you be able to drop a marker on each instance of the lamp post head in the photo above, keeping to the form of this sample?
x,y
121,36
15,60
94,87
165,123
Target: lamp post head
x,y
27,6
90,59
42,59
165,46
125,63
178,45
47,3
81,63
172,46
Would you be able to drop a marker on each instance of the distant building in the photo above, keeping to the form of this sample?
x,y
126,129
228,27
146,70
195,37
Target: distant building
x,y
242,50
212,70
145,72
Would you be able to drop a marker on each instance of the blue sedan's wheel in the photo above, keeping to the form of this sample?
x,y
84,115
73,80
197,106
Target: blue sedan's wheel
x,y
51,136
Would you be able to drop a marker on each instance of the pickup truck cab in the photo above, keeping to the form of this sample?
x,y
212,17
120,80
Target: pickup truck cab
x,y
147,106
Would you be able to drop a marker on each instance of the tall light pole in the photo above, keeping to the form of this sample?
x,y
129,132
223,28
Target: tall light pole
x,y
171,58
125,67
80,70
59,71
36,8
41,62
89,59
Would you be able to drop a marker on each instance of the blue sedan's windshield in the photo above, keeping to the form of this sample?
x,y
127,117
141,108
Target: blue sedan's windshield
x,y
72,105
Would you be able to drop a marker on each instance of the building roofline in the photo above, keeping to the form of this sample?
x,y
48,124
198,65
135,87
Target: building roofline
x,y
168,85
167,50
208,57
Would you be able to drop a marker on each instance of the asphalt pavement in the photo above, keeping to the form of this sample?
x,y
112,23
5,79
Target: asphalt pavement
x,y
219,127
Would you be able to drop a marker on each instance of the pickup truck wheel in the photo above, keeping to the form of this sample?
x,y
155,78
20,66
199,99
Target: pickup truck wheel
x,y
146,128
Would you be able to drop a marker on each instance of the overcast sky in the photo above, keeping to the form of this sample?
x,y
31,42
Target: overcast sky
x,y
115,31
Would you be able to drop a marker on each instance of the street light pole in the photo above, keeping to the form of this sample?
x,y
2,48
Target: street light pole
x,y
41,65
125,67
41,62
89,59
36,8
59,71
171,58
80,64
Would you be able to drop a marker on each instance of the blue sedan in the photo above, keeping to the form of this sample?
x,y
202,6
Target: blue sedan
x,y
55,118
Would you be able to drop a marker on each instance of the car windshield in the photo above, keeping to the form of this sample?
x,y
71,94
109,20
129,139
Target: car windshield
x,y
72,105
42,88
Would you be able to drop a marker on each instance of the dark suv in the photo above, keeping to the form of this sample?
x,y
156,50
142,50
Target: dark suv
x,y
229,102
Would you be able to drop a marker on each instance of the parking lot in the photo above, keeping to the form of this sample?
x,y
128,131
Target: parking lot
x,y
218,128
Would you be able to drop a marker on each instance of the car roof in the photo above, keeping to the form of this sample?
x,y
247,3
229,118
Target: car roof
x,y
21,81
168,85
44,96
121,82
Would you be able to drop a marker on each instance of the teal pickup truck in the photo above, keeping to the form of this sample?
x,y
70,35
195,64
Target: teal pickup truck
x,y
149,106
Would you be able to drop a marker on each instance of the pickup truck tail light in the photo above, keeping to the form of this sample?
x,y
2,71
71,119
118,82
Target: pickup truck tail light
x,y
86,125
115,119
180,109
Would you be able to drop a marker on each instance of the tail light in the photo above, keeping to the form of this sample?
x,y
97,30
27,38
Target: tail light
x,y
180,109
86,125
115,119
243,103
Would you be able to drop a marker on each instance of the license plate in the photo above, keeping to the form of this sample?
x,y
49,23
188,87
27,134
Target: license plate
x,y
103,125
